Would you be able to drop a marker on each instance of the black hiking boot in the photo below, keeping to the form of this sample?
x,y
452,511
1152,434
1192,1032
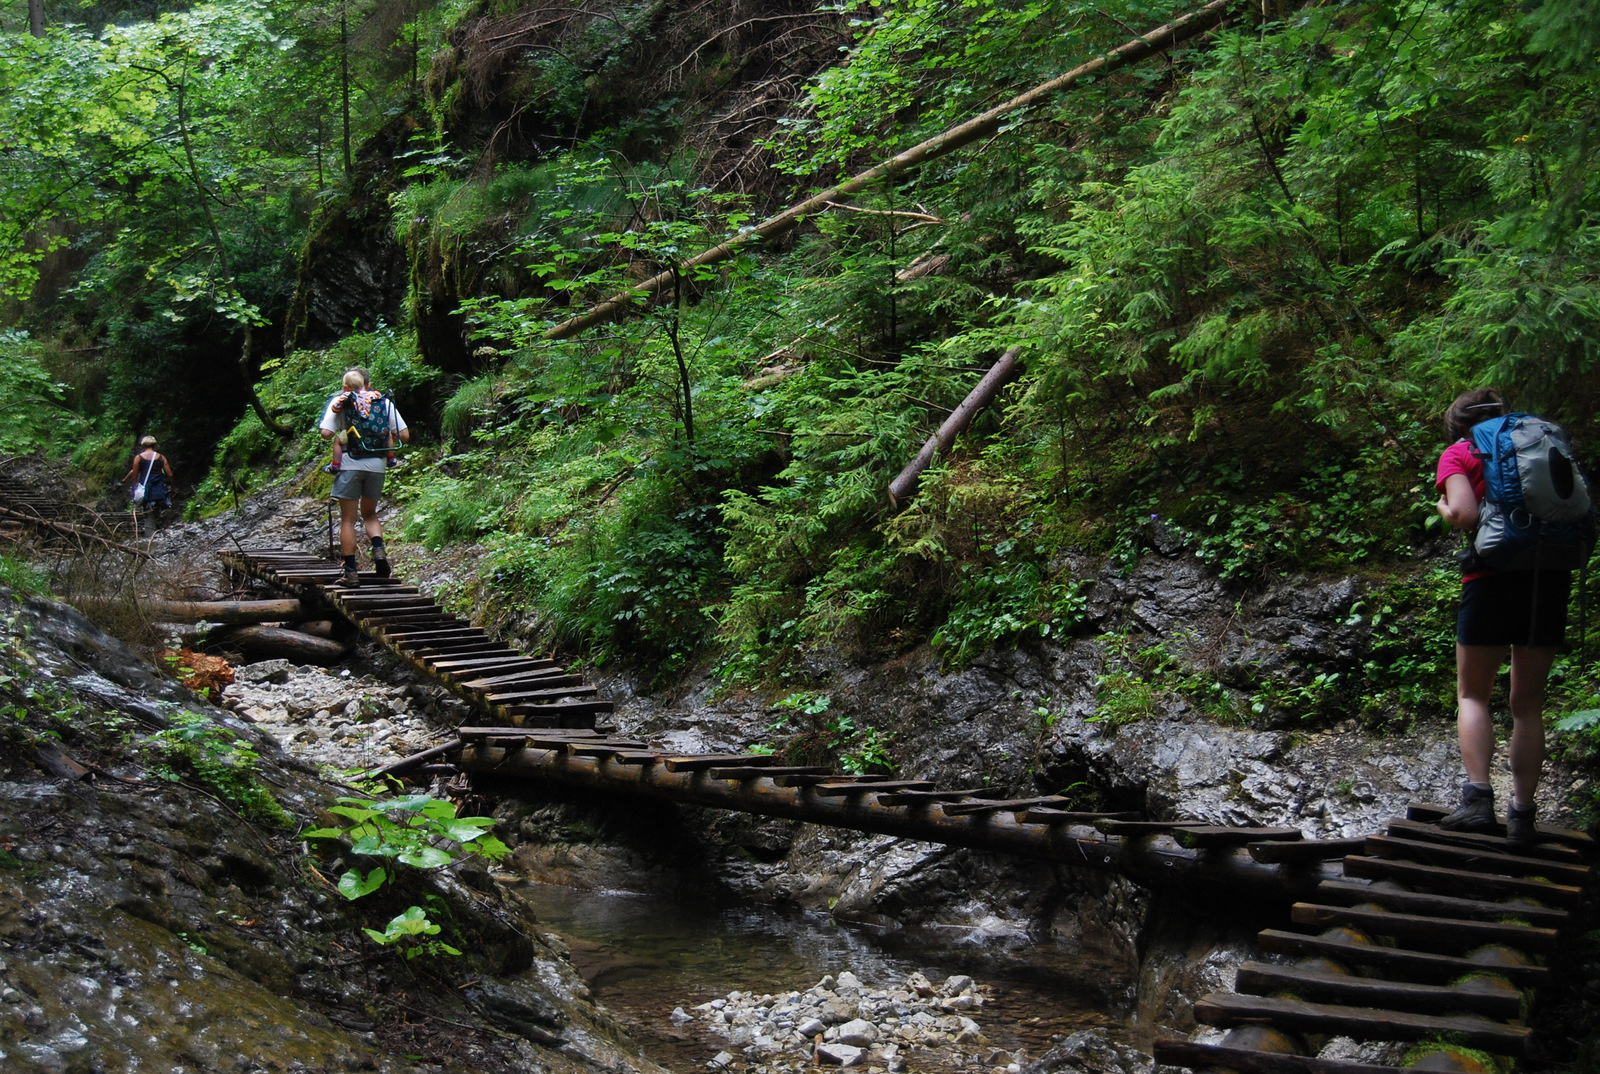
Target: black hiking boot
x,y
350,579
1520,831
380,563
1476,812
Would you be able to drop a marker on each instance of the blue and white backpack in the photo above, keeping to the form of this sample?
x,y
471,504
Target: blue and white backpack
x,y
1536,514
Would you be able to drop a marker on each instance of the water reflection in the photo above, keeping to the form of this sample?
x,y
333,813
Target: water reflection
x,y
643,955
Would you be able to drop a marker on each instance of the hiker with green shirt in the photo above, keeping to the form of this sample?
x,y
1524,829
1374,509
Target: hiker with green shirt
x,y
368,425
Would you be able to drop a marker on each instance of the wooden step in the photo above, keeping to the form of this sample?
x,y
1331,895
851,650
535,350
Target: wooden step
x,y
1010,805
917,798
1496,844
1387,846
1197,1056
1420,964
1261,979
1306,850
1453,932
1361,1023
1462,882
843,788
1210,836
747,772
1349,892
701,762
1135,828
554,687
1432,814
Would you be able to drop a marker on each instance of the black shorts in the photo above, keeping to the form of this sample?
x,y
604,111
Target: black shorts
x,y
1504,608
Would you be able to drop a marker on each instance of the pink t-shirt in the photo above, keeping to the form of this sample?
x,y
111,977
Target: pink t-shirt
x,y
1459,459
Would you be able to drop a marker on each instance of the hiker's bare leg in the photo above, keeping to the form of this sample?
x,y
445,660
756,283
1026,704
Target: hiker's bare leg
x,y
369,519
347,527
1530,671
1477,666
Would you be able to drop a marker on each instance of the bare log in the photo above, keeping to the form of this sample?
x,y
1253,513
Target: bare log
x,y
981,126
265,641
905,483
229,611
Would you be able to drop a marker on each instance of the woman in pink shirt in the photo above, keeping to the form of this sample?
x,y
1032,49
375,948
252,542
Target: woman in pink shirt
x,y
1523,611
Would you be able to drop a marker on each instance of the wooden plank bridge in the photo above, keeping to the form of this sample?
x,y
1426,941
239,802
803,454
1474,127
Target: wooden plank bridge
x,y
1412,934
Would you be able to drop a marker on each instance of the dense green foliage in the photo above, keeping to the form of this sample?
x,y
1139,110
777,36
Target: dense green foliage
x,y
1245,278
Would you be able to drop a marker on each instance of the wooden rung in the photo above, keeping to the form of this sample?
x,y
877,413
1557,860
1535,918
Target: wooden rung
x,y
598,749
1423,964
559,708
1347,892
1386,846
916,798
1197,1056
448,663
705,761
1455,932
1013,805
1145,827
1462,882
1260,979
1215,835
635,757
1360,1023
840,788
562,686
744,772
1304,850
799,780
477,732
1428,833
517,678
1432,814
472,669
1070,816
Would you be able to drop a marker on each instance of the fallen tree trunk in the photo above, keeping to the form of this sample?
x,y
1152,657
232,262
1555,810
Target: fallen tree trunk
x,y
229,611
265,641
982,126
905,483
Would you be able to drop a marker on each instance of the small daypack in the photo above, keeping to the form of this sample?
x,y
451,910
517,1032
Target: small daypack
x,y
1536,513
366,432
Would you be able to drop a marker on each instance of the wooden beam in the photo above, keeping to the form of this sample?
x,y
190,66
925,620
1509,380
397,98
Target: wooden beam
x,y
1360,1023
1424,964
1452,931
1260,979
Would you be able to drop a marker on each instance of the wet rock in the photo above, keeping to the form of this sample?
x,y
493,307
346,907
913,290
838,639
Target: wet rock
x,y
1091,1051
859,1033
839,1055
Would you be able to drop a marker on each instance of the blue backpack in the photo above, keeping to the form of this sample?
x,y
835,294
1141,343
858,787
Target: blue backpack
x,y
1536,513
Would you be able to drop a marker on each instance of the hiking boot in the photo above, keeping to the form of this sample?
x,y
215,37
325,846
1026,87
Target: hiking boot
x,y
1520,831
380,563
350,579
331,468
1476,812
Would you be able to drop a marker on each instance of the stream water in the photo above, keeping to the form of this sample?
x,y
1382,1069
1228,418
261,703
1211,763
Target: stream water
x,y
644,955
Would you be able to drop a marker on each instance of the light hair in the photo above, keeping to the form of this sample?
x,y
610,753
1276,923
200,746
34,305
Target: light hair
x,y
355,379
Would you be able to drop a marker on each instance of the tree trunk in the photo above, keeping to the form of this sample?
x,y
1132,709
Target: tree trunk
x,y
982,126
36,17
901,488
228,611
265,641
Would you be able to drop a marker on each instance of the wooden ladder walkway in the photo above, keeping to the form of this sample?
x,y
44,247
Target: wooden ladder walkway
x,y
1430,936
522,690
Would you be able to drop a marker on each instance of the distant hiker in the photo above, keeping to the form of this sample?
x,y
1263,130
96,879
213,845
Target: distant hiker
x,y
367,424
151,475
1523,610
